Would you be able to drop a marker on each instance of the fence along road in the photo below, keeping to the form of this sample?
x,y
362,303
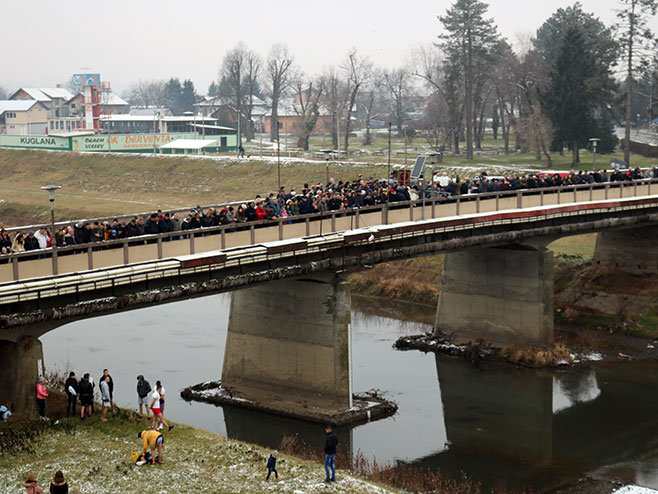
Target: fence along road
x,y
72,259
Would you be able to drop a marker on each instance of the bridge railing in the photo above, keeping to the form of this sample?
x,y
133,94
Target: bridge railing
x,y
81,257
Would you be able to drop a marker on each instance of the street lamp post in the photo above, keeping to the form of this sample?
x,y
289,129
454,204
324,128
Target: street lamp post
x,y
594,141
51,197
155,113
388,176
327,153
278,154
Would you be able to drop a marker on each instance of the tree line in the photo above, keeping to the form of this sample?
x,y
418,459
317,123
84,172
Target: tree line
x,y
575,80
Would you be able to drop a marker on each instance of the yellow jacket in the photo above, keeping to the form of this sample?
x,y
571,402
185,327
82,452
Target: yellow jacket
x,y
149,437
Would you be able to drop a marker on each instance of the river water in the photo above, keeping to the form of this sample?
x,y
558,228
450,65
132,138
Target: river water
x,y
498,424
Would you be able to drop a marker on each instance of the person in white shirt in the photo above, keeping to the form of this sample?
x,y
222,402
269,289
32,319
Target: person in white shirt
x,y
155,407
42,238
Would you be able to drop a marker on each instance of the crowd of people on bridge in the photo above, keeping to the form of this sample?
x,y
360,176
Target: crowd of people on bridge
x,y
309,199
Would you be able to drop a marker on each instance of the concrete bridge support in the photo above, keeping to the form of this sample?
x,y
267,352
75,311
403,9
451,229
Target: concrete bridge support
x,y
503,295
633,250
20,365
288,344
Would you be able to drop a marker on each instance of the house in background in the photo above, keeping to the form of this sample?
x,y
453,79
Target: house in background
x,y
23,117
55,99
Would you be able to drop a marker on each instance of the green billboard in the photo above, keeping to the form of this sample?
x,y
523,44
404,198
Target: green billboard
x,y
35,142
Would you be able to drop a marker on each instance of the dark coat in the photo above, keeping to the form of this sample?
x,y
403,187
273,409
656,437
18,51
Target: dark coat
x,y
331,443
271,462
71,381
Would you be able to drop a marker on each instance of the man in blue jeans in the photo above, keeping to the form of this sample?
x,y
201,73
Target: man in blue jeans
x,y
330,453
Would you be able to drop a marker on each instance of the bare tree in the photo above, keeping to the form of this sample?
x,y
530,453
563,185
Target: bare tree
x,y
148,93
279,64
307,105
334,100
3,92
637,44
238,82
398,88
357,70
368,101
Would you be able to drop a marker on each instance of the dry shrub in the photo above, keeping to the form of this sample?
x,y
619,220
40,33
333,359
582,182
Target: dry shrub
x,y
550,356
402,476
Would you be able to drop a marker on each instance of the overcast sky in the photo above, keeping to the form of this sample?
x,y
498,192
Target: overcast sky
x,y
43,43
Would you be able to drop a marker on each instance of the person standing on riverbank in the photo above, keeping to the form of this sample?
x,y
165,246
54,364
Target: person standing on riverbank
x,y
110,384
105,396
72,390
42,394
330,453
86,396
143,390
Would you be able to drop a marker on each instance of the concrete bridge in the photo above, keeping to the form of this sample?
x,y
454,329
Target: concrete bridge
x,y
289,328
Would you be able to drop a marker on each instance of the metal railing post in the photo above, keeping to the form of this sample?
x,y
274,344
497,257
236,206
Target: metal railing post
x,y
497,201
575,194
223,239
607,188
333,222
90,258
541,197
54,257
308,226
558,196
457,208
385,214
433,211
477,204
519,200
591,192
621,190
126,255
280,229
191,243
14,267
356,218
159,247
411,210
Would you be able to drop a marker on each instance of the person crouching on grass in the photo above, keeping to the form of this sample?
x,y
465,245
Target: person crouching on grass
x,y
154,440
155,407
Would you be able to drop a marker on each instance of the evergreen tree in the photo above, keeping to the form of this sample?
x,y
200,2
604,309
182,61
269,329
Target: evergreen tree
x,y
173,94
213,89
578,52
468,40
188,96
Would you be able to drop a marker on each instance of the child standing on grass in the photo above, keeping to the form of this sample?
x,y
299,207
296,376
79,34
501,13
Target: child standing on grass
x,y
31,485
271,466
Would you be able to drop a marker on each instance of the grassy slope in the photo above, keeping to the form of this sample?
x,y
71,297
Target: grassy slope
x,y
96,459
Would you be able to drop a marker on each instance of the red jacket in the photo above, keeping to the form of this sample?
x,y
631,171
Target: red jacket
x,y
42,392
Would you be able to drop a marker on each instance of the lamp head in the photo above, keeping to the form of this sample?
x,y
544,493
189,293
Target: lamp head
x,y
51,191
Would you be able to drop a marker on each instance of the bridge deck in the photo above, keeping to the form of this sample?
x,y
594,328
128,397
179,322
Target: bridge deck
x,y
77,259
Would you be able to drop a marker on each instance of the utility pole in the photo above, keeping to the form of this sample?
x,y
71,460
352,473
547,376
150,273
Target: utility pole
x,y
388,176
278,154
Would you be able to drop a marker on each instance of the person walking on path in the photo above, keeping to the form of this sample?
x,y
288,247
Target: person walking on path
x,y
330,454
59,485
105,396
72,390
143,390
86,396
110,383
42,394
153,440
157,413
271,466
32,486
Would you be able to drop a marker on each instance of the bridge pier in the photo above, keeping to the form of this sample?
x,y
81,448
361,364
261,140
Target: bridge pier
x,y
632,250
503,295
288,344
20,365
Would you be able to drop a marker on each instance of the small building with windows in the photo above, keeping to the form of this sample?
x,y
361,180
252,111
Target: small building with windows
x,y
55,99
23,117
